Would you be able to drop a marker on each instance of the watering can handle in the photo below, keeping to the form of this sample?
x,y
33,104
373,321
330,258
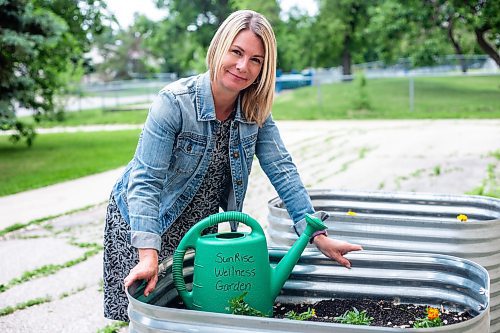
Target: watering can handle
x,y
189,241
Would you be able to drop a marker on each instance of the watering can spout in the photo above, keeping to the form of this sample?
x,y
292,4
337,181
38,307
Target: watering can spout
x,y
282,271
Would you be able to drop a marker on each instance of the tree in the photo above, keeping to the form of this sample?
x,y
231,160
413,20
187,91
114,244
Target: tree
x,y
28,71
127,53
293,37
412,30
269,8
482,16
86,20
340,26
39,55
184,36
424,30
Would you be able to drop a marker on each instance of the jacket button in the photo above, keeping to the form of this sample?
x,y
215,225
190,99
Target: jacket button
x,y
236,154
189,147
239,182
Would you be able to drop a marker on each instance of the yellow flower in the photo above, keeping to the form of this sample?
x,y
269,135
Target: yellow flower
x,y
313,312
432,313
462,218
351,213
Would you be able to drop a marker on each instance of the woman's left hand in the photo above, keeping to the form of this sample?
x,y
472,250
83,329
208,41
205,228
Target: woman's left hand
x,y
335,249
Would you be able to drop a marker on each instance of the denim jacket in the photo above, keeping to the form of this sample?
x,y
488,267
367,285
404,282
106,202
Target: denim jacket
x,y
173,154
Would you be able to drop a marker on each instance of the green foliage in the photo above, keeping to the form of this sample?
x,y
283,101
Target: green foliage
x,y
293,37
482,18
126,53
301,316
41,47
340,32
183,38
354,317
238,306
407,30
361,101
427,323
422,30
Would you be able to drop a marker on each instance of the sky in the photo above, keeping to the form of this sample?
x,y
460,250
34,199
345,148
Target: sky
x,y
124,10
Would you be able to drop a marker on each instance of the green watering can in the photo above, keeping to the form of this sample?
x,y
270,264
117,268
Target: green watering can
x,y
227,265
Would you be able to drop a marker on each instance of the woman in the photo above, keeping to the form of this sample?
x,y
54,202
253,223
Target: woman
x,y
194,156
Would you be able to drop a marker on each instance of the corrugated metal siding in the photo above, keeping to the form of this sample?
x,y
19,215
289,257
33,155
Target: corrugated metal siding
x,y
403,277
408,222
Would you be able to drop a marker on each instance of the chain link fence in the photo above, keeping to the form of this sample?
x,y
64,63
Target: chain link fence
x,y
138,93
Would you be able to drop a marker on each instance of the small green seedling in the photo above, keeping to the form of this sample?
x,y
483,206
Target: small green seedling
x,y
301,316
354,317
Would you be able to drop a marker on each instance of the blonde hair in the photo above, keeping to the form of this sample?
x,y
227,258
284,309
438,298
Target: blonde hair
x,y
258,98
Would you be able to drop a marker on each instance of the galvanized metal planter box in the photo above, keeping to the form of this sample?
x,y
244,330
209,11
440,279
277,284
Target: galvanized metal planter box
x,y
408,222
406,278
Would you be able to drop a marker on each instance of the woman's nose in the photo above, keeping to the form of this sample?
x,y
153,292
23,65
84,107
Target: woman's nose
x,y
242,64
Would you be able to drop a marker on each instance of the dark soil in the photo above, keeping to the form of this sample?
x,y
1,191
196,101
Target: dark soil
x,y
384,313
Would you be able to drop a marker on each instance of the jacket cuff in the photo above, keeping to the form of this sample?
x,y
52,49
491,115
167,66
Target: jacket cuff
x,y
317,233
145,240
302,224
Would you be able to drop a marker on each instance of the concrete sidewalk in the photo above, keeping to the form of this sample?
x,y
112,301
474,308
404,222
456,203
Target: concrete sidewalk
x,y
393,155
438,156
57,199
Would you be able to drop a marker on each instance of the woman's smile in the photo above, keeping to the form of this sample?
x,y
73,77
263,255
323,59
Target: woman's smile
x,y
242,63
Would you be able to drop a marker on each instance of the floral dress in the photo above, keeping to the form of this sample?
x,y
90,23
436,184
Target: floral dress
x,y
120,257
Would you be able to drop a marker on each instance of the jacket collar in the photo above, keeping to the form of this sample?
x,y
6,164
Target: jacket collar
x,y
205,106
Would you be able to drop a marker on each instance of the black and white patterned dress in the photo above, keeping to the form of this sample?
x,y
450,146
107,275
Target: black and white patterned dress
x,y
120,257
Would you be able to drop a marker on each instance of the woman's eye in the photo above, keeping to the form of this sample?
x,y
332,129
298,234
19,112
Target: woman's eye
x,y
236,52
256,60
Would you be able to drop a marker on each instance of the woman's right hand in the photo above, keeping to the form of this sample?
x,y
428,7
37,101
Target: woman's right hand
x,y
146,269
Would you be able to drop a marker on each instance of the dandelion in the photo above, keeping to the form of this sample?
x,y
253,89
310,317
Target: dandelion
x,y
462,218
432,313
351,213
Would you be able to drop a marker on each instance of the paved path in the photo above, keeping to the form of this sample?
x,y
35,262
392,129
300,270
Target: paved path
x,y
442,156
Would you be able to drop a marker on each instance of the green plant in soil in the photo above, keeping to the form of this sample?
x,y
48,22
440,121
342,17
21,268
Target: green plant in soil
x,y
238,306
301,316
431,320
355,317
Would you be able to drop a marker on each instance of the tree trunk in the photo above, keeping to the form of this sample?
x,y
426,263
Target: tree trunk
x,y
346,62
346,59
486,46
456,46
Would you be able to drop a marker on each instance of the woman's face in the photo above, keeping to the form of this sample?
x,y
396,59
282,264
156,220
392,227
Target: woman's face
x,y
242,63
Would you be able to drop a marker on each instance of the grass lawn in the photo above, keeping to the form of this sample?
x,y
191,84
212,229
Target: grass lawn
x,y
94,117
58,157
434,98
64,156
